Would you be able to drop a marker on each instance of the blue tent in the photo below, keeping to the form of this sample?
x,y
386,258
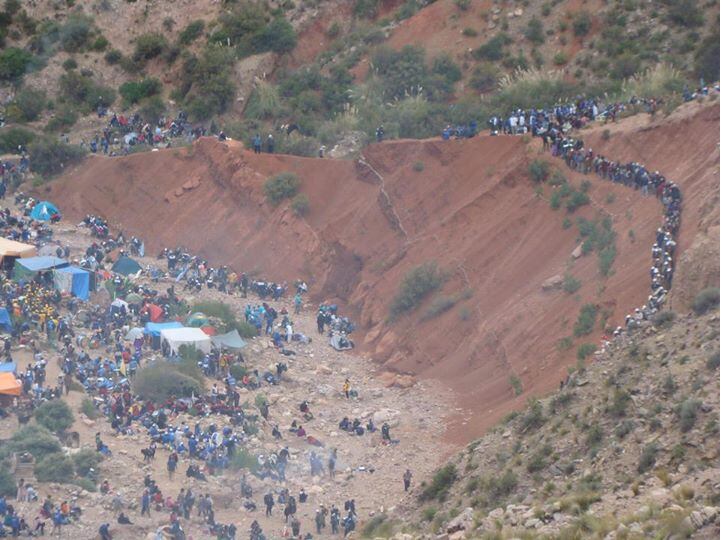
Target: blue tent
x,y
74,280
8,367
27,268
5,321
43,211
154,329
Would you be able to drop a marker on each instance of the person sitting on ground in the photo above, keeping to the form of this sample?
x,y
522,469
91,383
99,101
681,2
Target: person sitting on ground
x,y
124,520
300,432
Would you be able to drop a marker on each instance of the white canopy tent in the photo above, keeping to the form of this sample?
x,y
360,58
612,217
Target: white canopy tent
x,y
194,337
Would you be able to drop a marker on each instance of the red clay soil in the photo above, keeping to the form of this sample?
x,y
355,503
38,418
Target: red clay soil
x,y
472,209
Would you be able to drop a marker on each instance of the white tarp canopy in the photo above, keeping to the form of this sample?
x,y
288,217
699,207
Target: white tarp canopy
x,y
195,337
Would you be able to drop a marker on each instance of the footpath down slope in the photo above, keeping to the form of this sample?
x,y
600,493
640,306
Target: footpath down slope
x,y
469,206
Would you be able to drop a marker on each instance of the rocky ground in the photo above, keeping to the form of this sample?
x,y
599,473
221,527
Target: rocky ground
x,y
367,470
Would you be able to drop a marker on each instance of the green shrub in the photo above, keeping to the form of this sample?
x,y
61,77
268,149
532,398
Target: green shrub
x,y
79,89
50,157
264,102
469,32
534,31
75,33
419,166
149,46
85,483
281,186
416,285
560,58
87,407
539,170
585,350
55,415
439,305
440,484
191,32
664,318
366,9
300,204
86,459
485,77
70,64
11,138
515,383
32,438
133,92
278,36
624,428
207,87
706,300
13,63
713,361
707,57
620,402
648,458
533,418
685,13
152,109
687,413
238,371
492,50
586,320
537,462
113,56
575,200
55,468
243,459
8,488
161,380
571,284
99,44
27,105
63,118
582,23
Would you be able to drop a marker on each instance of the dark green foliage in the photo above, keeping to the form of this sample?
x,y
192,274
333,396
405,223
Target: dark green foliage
x,y
11,138
300,204
440,484
55,415
620,402
687,413
539,170
706,300
492,50
571,284
75,33
206,87
624,428
282,186
685,13
534,31
575,200
250,29
69,64
416,285
31,438
8,487
664,318
191,32
648,458
99,44
63,117
707,58
243,459
152,109
13,63
133,92
55,468
401,71
538,460
713,361
85,460
278,36
49,156
161,380
586,320
366,9
113,56
80,90
594,435
149,46
485,77
533,418
585,350
582,23
599,236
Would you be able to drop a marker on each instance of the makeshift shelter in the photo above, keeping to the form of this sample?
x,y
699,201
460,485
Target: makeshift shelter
x,y
155,312
8,367
154,329
126,266
231,340
73,280
10,250
28,268
340,342
193,337
9,385
134,333
197,320
5,322
43,211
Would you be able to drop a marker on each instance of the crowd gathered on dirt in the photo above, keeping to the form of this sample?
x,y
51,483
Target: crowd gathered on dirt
x,y
96,347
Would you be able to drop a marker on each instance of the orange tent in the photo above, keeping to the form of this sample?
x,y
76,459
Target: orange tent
x,y
9,385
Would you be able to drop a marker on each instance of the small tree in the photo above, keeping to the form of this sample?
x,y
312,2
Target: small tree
x,y
300,204
13,63
55,415
55,468
539,170
282,186
50,157
416,285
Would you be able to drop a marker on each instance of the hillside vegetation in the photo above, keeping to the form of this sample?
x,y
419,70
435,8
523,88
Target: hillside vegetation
x,y
627,448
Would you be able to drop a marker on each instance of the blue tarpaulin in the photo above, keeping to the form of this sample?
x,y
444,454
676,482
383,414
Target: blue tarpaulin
x,y
5,321
73,280
8,367
43,211
154,328
38,264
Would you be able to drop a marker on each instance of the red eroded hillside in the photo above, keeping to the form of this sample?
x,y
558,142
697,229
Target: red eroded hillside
x,y
467,205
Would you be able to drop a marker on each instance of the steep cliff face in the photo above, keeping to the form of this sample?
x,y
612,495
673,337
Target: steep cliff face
x,y
468,205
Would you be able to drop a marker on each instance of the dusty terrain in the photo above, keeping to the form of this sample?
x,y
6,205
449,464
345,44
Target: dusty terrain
x,y
472,209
